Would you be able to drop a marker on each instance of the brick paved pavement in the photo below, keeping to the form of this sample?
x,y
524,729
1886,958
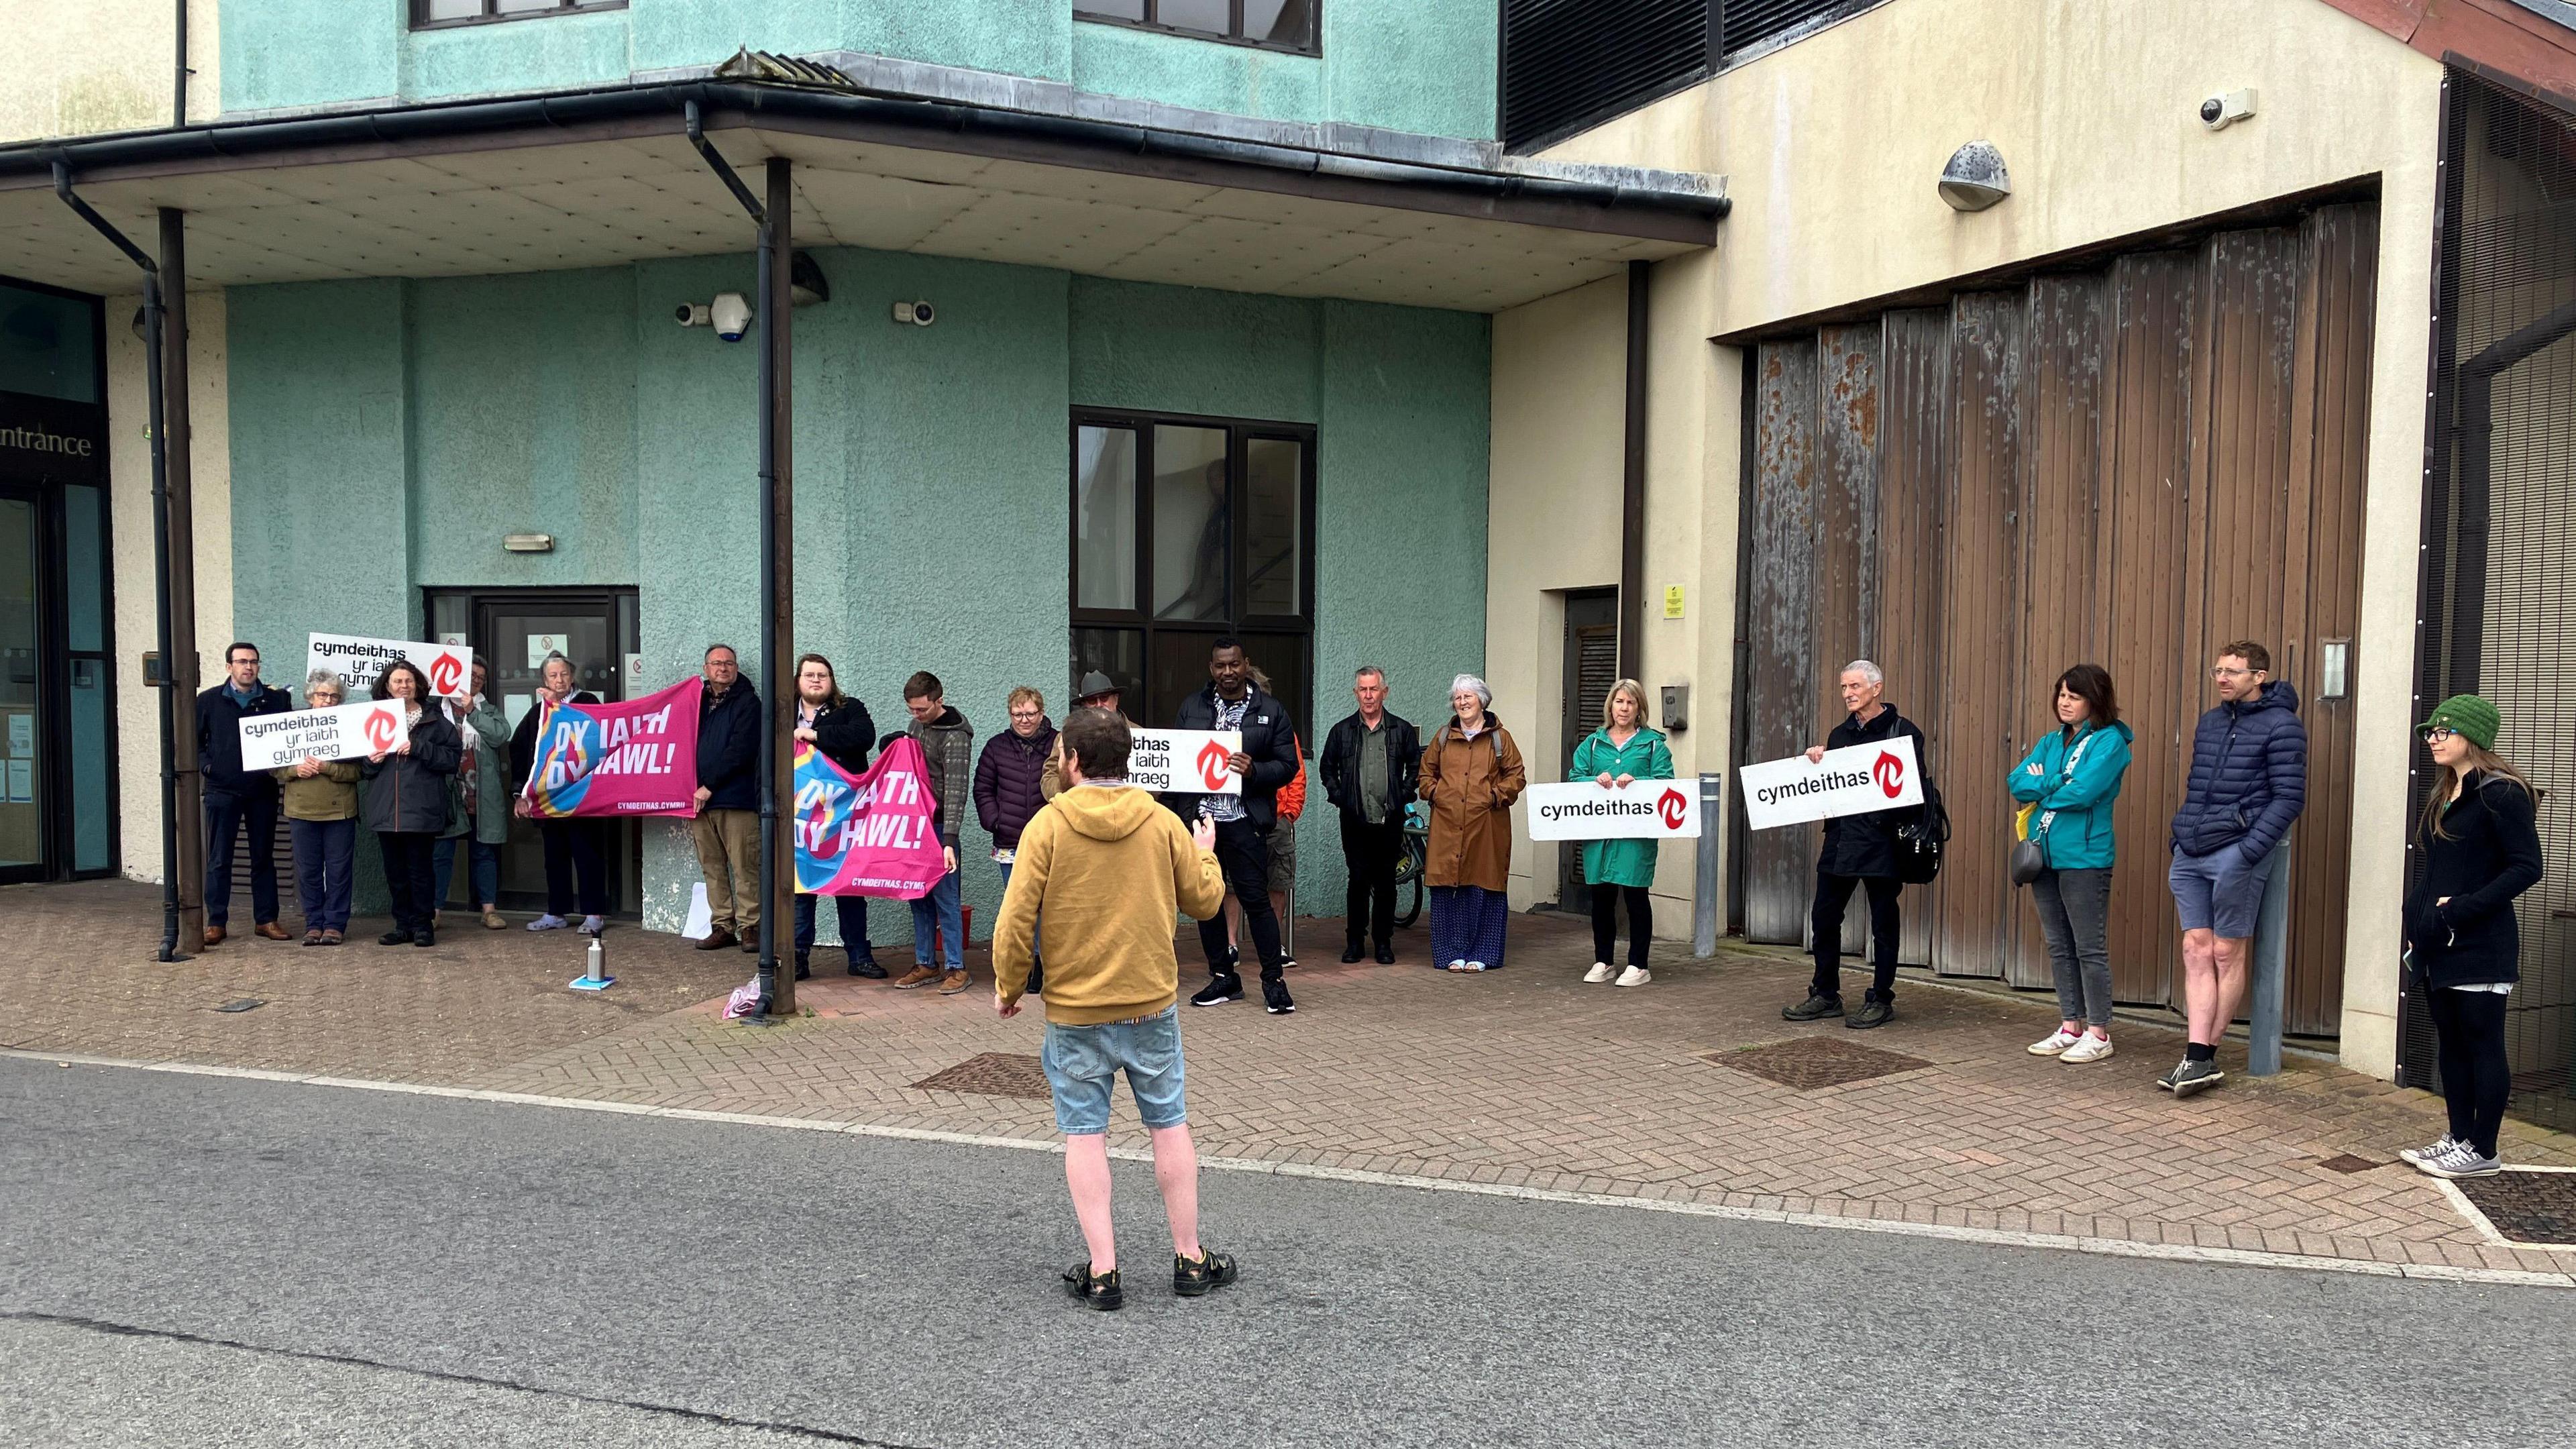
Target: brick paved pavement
x,y
1521,1077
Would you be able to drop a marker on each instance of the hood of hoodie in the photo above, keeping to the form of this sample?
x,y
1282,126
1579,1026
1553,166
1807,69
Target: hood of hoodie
x,y
1107,812
2276,695
949,719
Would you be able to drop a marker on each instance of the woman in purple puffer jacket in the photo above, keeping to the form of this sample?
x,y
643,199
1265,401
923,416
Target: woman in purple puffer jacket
x,y
1007,776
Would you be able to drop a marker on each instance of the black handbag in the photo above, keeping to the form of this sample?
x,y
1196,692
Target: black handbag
x,y
1919,841
2029,858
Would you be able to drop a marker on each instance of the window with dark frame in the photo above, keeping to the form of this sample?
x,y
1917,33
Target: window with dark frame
x,y
1185,530
427,14
1272,24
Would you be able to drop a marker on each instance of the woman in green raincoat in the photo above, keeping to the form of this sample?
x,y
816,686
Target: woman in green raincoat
x,y
1617,756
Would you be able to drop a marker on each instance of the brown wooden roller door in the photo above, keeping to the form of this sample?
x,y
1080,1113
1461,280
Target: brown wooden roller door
x,y
1779,577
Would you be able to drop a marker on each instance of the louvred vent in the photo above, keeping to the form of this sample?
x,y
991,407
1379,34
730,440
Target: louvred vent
x,y
1569,64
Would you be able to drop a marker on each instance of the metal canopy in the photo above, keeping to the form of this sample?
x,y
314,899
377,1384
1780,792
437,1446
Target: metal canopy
x,y
275,205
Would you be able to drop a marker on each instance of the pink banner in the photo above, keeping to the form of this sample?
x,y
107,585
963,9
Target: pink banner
x,y
639,757
872,834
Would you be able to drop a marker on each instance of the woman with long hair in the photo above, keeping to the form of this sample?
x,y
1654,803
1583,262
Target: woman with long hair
x,y
2071,780
406,802
1615,756
842,729
2481,848
576,867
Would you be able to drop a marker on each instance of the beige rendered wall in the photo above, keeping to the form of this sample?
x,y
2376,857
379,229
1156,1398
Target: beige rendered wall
x,y
78,67
1831,146
138,728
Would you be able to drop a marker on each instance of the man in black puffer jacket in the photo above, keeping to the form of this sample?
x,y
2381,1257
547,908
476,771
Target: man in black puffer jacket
x,y
2249,780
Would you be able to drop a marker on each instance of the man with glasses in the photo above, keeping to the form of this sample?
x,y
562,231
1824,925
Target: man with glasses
x,y
237,798
2249,780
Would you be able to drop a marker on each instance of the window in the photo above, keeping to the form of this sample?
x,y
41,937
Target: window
x,y
1273,24
427,13
1185,530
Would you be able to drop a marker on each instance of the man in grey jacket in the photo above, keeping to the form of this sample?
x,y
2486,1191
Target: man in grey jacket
x,y
948,752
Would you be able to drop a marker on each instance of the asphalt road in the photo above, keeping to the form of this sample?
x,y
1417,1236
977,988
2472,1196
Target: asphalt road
x,y
198,1261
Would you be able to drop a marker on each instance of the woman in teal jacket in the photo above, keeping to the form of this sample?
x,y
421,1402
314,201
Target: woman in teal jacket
x,y
2072,777
1615,756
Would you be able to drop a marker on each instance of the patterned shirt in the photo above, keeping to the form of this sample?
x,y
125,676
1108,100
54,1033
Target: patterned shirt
x,y
1222,808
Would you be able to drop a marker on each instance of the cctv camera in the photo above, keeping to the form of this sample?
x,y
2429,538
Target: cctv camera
x,y
2222,111
732,316
695,314
918,314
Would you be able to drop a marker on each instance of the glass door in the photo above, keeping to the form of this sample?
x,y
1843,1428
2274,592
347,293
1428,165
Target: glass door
x,y
23,736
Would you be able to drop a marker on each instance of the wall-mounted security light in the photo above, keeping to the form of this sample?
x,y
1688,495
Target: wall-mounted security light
x,y
529,543
2334,669
1975,178
915,314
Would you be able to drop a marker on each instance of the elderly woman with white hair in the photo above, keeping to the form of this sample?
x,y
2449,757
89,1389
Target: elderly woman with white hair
x,y
1471,774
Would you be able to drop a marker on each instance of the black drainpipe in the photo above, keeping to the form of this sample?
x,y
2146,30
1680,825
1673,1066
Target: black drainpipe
x,y
1632,487
772,990
160,550
179,85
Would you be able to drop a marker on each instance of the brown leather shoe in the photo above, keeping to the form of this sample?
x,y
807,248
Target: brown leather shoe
x,y
492,920
271,930
214,936
952,983
751,938
716,940
918,976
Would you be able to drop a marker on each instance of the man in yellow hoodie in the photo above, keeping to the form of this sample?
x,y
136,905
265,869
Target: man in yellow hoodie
x,y
1108,867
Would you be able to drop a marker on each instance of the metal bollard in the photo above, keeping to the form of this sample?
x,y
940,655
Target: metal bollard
x,y
1704,900
2270,969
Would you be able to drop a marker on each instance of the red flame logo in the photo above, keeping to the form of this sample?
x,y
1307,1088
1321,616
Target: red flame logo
x,y
1212,761
1672,807
1891,774
446,676
380,729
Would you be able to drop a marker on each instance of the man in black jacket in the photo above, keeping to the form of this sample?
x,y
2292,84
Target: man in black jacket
x,y
236,797
1860,852
727,829
1371,766
1267,760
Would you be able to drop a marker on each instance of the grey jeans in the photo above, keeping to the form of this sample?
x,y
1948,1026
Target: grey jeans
x,y
2075,916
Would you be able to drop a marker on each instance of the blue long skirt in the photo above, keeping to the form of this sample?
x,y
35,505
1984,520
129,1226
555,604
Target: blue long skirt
x,y
1467,925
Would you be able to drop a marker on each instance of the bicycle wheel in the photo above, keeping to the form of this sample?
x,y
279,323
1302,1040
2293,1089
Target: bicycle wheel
x,y
1413,911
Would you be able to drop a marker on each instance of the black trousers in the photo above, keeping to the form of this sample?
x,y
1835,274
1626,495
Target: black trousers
x,y
1372,853
1833,897
226,815
573,859
1605,922
1245,858
2476,1080
409,876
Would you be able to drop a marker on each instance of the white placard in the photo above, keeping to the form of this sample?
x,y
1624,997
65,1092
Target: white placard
x,y
1185,762
22,735
341,732
702,917
1851,781
22,782
1645,810
360,661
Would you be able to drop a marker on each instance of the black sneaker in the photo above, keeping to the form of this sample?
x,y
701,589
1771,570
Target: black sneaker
x,y
1352,953
1385,955
1212,1270
1877,1011
2193,1077
1274,995
1814,1008
395,937
1219,991
804,967
1100,1290
867,966
424,937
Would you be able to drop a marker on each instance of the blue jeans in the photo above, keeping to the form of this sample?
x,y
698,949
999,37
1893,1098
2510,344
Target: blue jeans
x,y
482,869
226,814
851,911
1082,1065
940,908
322,856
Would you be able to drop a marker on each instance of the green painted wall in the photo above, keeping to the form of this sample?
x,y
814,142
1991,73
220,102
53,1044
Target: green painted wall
x,y
1408,65
386,434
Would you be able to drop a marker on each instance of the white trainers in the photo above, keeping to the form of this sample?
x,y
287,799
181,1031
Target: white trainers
x,y
2414,1156
2087,1048
1634,976
2459,1160
2053,1043
1600,972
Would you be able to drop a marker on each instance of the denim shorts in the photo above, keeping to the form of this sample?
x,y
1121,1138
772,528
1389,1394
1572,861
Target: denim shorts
x,y
1082,1064
2221,892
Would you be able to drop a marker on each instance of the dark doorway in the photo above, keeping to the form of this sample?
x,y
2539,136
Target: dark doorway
x,y
1591,667
511,631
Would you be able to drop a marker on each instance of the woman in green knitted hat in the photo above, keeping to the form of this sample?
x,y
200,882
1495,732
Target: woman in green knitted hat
x,y
2481,849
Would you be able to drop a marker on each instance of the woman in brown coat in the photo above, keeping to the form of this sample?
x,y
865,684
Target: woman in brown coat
x,y
1471,774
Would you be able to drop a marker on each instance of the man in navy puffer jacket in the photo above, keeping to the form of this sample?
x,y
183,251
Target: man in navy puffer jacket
x,y
2249,780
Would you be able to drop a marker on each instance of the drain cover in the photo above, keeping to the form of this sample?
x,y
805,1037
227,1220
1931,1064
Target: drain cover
x,y
2348,1163
2527,1206
995,1074
1809,1062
